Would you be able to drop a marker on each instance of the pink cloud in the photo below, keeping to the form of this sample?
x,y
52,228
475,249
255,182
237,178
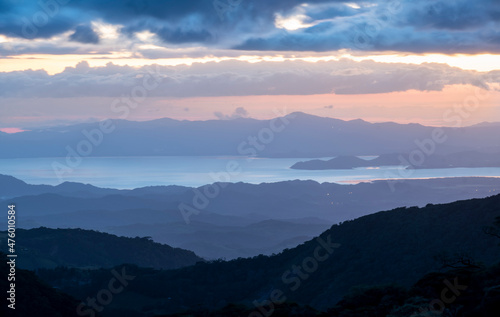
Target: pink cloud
x,y
11,130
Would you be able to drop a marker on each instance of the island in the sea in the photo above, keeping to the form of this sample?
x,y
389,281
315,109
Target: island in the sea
x,y
469,159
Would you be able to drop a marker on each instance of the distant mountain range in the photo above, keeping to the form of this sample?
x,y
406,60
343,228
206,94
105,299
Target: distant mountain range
x,y
388,251
455,160
293,135
243,220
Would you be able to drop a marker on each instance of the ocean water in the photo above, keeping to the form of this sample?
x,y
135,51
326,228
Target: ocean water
x,y
134,172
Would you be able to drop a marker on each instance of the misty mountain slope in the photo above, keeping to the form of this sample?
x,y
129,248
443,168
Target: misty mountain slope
x,y
216,241
48,248
12,187
302,135
48,204
218,231
335,202
282,200
397,246
85,219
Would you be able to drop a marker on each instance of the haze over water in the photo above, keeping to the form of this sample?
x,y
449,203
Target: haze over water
x,y
134,172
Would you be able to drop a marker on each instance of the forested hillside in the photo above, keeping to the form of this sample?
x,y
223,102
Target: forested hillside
x,y
395,247
49,248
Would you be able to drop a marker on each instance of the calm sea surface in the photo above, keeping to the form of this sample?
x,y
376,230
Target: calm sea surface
x,y
133,172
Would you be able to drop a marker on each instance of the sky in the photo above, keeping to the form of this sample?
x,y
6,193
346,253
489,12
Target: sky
x,y
71,61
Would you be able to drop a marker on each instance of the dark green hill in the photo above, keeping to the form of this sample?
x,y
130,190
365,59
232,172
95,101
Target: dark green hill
x,y
34,297
49,248
392,247
477,294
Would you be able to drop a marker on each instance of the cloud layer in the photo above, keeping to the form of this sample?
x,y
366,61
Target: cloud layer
x,y
460,26
238,78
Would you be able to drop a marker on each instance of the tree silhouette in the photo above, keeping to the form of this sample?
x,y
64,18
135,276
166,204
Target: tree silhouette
x,y
493,230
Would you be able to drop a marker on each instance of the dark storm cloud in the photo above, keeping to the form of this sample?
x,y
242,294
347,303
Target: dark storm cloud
x,y
332,10
169,34
453,15
460,26
179,36
84,34
410,26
